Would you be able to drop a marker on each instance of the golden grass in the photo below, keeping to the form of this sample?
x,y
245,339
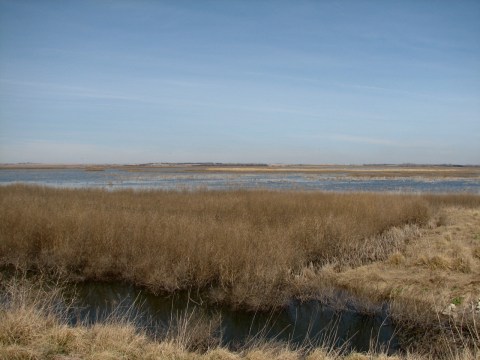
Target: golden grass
x,y
249,247
438,268
373,171
95,168
258,249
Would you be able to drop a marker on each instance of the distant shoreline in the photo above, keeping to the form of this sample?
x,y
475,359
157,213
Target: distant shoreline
x,y
380,170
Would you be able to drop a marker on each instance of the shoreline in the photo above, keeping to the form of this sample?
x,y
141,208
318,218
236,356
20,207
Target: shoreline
x,y
367,171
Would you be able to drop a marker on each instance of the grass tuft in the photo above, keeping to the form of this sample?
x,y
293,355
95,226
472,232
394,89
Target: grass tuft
x,y
248,245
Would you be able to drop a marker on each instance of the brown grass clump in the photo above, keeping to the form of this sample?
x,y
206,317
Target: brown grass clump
x,y
432,284
248,244
476,252
254,249
194,331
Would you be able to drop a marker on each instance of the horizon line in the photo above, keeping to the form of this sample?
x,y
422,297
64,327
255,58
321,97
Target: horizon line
x,y
259,164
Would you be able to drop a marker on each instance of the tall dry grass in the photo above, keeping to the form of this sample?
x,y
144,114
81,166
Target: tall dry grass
x,y
246,245
247,248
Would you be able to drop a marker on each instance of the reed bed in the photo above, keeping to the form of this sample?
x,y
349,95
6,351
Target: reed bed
x,y
378,171
246,247
250,249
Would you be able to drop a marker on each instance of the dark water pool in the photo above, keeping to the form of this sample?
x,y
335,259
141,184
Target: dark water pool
x,y
299,323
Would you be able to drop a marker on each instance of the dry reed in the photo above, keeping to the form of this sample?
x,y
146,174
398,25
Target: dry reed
x,y
254,249
246,245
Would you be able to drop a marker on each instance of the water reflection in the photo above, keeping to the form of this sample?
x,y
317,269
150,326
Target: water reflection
x,y
300,323
171,179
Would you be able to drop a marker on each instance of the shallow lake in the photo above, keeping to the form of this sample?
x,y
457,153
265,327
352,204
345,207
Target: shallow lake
x,y
299,323
171,179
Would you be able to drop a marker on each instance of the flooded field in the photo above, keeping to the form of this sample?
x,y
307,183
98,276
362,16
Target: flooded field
x,y
174,179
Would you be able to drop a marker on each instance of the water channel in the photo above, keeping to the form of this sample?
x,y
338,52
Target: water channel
x,y
300,323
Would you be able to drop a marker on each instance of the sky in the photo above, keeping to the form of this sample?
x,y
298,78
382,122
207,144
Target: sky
x,y
344,82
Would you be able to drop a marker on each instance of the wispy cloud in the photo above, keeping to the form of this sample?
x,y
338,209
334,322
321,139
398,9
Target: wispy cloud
x,y
59,91
423,145
405,92
68,152
365,140
281,76
349,138
67,90
387,90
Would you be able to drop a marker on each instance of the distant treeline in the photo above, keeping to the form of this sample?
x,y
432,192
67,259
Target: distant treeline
x,y
203,164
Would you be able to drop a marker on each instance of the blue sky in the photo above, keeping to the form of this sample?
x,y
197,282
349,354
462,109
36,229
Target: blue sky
x,y
240,81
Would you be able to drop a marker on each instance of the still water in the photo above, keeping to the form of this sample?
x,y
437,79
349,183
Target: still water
x,y
171,179
299,323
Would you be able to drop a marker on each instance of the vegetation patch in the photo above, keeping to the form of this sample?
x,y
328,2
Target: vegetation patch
x,y
258,249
